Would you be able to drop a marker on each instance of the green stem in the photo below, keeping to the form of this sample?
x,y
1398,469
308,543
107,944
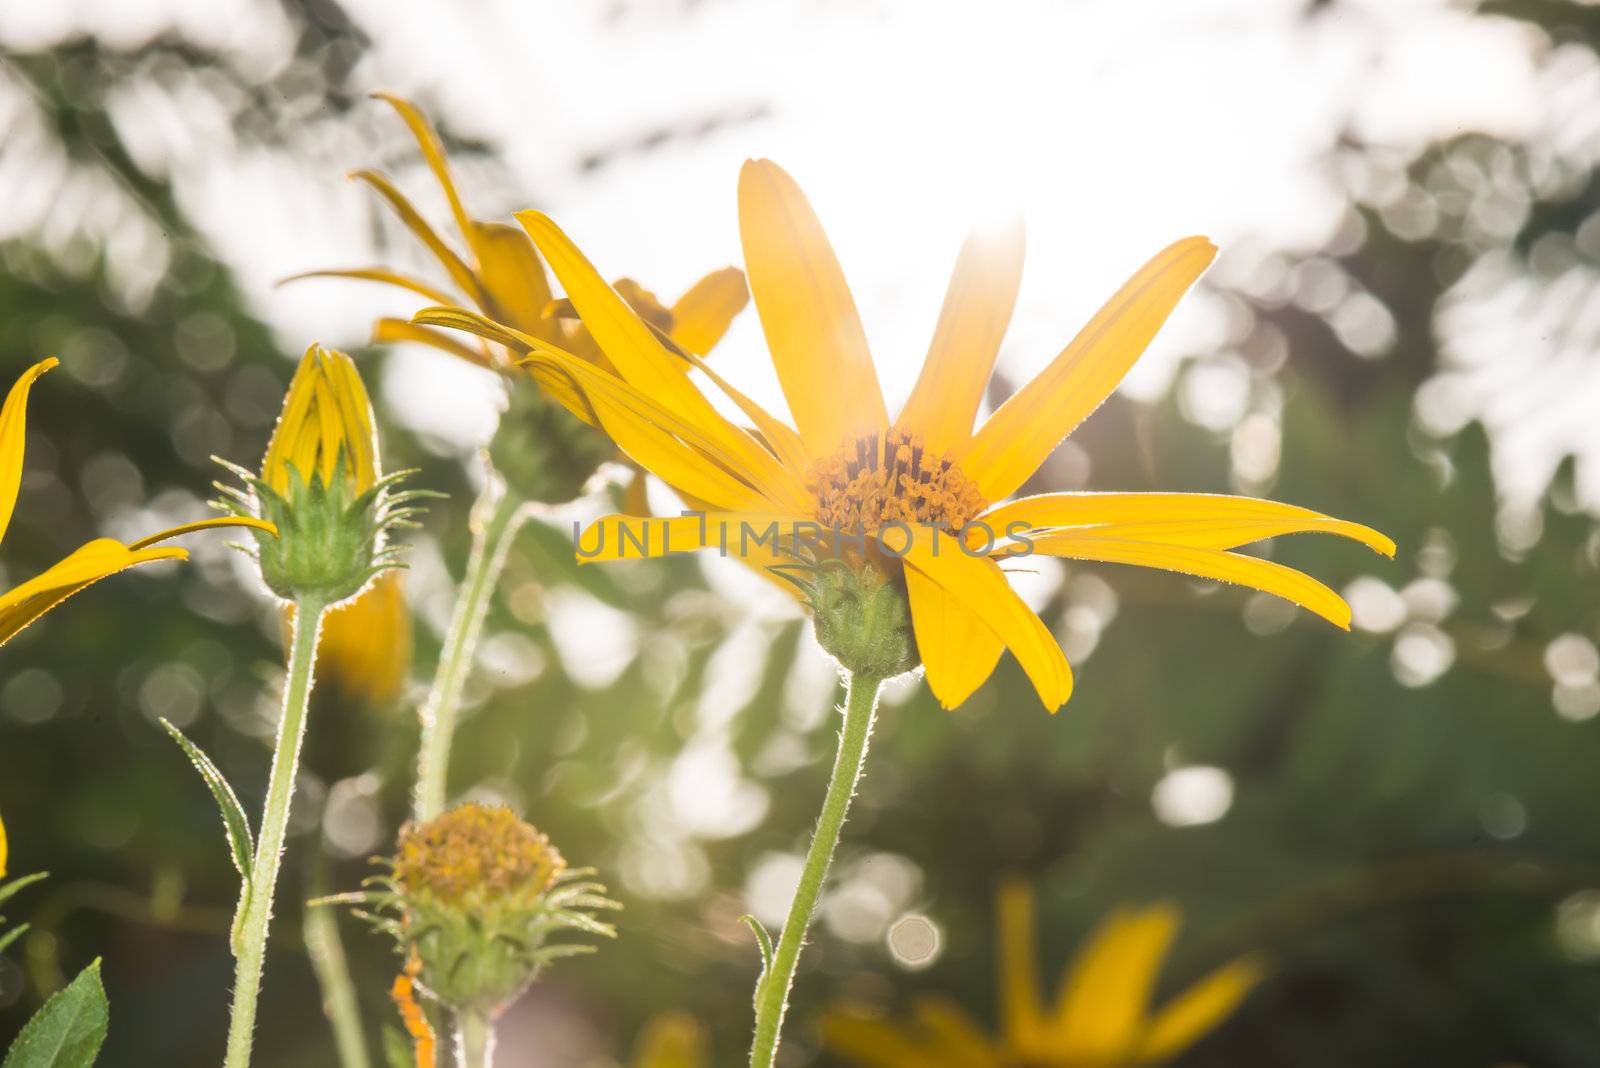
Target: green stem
x,y
257,905
474,1039
772,989
321,933
496,517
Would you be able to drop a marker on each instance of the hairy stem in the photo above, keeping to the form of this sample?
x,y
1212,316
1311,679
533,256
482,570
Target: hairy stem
x,y
257,904
474,1039
496,517
323,945
772,989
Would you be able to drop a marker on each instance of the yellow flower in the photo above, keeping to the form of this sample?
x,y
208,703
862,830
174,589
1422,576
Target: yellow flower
x,y
926,488
4,849
92,561
502,277
1101,1018
671,1040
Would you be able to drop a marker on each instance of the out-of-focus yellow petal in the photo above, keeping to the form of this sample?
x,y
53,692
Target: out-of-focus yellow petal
x,y
4,849
643,361
807,313
1022,1021
977,310
958,652
1202,520
326,412
87,565
390,330
1258,574
433,152
1028,426
1105,994
874,1043
960,1040
703,314
13,438
366,645
671,1040
979,586
515,280
378,274
1200,1009
457,268
788,446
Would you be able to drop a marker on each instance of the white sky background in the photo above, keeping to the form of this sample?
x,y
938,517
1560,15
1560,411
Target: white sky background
x,y
1114,125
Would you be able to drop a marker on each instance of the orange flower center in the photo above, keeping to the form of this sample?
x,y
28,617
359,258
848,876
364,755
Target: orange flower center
x,y
882,479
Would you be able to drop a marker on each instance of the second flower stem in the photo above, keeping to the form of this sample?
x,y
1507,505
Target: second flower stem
x,y
772,991
497,515
257,906
474,1039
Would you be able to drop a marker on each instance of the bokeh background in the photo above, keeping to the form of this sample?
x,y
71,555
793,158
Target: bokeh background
x,y
1402,329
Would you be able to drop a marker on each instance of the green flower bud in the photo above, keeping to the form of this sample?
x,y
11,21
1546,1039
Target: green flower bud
x,y
862,618
543,451
475,895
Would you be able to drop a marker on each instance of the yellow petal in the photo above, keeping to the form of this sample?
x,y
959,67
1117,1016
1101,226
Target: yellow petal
x,y
807,313
1101,1008
979,586
1200,1009
960,1040
703,314
13,438
1021,1006
457,268
958,652
392,330
642,361
977,310
87,565
326,414
1257,574
873,1043
1202,520
641,427
248,521
1028,426
433,152
671,1040
378,274
513,276
4,849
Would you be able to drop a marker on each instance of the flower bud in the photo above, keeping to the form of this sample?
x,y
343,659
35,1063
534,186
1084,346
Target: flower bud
x,y
475,895
543,451
321,486
863,618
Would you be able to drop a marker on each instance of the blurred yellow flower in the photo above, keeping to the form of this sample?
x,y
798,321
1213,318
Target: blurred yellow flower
x,y
1101,1018
502,277
366,645
4,849
92,561
671,1040
924,488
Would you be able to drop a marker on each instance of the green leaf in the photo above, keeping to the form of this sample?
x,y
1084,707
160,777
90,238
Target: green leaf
x,y
18,883
763,940
68,1030
234,822
11,936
